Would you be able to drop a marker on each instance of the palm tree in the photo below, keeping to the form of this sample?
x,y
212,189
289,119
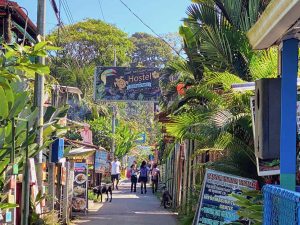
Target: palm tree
x,y
220,28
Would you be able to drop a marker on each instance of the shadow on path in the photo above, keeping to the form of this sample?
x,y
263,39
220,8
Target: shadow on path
x,y
129,208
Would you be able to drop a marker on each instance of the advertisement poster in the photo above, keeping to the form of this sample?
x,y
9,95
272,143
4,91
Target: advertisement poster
x,y
101,162
126,84
80,198
216,205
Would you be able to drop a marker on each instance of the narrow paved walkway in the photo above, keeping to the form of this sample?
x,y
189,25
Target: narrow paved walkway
x,y
129,209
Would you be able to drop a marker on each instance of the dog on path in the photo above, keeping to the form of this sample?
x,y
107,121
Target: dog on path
x,y
103,189
166,200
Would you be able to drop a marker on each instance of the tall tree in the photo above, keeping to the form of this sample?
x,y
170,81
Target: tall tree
x,y
150,51
93,42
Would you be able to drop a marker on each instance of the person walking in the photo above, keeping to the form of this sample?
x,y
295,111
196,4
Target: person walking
x,y
155,177
133,172
143,178
115,172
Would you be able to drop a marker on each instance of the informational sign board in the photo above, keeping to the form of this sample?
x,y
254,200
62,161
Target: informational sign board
x,y
80,194
141,138
216,206
126,84
101,162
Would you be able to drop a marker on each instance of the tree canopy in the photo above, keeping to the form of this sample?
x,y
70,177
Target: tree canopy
x,y
150,51
93,42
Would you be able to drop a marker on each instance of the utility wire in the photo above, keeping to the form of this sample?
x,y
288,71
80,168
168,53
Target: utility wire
x,y
153,31
67,11
99,1
67,5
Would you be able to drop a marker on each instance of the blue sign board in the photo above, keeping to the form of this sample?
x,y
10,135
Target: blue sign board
x,y
141,139
216,205
101,164
8,217
151,157
57,150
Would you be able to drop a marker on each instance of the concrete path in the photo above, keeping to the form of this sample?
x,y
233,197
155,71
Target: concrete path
x,y
129,209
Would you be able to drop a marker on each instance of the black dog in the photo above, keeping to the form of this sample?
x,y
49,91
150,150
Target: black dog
x,y
99,190
166,199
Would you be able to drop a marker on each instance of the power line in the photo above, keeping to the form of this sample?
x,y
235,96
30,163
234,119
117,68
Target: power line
x,y
67,11
99,1
67,5
151,29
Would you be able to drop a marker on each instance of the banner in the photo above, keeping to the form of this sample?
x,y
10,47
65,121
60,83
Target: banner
x,y
216,205
101,164
126,84
80,197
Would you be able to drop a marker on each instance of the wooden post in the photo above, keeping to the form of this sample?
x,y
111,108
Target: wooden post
x,y
185,176
66,203
51,186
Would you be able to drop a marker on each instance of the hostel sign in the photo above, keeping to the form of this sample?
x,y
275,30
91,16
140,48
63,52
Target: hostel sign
x,y
126,84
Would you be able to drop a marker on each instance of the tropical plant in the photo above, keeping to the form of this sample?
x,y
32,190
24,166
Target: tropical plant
x,y
220,27
250,204
16,68
102,132
150,51
218,55
125,138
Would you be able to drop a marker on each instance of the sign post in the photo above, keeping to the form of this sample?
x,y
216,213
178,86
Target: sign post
x,y
216,206
80,194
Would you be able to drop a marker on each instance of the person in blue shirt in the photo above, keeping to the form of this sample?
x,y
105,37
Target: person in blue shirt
x,y
143,178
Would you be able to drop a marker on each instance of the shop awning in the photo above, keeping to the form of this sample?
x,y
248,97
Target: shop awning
x,y
81,151
279,19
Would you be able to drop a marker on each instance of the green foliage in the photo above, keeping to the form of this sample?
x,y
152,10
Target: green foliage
x,y
92,42
15,68
251,206
150,51
220,28
125,138
219,55
186,219
102,132
73,135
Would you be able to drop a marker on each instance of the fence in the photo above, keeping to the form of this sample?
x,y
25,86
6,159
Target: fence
x,y
281,206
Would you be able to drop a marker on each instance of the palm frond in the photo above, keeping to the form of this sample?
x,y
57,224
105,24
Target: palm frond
x,y
264,64
224,80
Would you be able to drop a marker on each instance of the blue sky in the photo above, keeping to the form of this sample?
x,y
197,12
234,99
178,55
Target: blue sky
x,y
163,16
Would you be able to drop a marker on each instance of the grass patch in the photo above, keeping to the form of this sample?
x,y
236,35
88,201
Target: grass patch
x,y
186,219
92,196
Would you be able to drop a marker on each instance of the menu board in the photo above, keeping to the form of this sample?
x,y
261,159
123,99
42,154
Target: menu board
x,y
80,197
101,164
216,205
